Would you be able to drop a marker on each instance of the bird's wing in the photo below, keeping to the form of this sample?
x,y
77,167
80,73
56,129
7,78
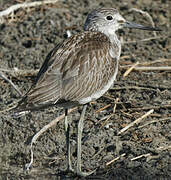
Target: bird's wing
x,y
74,70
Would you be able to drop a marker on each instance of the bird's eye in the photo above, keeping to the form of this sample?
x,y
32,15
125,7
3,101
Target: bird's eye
x,y
109,18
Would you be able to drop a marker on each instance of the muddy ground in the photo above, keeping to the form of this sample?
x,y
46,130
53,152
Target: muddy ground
x,y
25,40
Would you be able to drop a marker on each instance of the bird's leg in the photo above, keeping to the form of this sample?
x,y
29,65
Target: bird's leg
x,y
67,133
80,129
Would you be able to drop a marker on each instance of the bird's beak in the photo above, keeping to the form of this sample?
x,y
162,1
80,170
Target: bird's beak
x,y
139,26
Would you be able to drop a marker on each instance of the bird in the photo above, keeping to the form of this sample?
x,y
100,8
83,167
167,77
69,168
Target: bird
x,y
79,70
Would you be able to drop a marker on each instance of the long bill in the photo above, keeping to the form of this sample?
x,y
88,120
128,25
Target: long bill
x,y
139,26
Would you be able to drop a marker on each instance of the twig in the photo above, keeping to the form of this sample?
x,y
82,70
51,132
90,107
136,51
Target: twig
x,y
107,119
160,87
141,156
161,60
130,69
164,68
113,160
103,108
101,149
154,121
133,87
24,5
125,57
104,118
45,128
114,107
136,121
52,123
19,72
151,107
8,108
163,148
146,39
147,15
2,75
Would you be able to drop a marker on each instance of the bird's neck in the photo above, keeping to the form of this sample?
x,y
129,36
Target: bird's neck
x,y
115,45
113,38
115,49
110,32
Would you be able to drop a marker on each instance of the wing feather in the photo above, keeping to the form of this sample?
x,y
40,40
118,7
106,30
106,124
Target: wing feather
x,y
73,70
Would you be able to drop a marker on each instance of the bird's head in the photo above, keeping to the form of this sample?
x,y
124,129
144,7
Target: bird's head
x,y
108,20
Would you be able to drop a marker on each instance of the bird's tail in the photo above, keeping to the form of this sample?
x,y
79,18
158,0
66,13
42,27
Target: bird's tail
x,y
24,107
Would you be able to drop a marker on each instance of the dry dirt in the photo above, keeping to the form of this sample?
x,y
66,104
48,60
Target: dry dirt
x,y
26,39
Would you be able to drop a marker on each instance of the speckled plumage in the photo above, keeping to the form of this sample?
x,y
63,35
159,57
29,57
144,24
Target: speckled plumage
x,y
81,67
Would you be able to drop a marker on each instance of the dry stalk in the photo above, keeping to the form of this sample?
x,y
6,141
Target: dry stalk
x,y
15,72
2,75
12,9
133,87
105,122
115,159
45,128
103,108
147,15
164,68
130,69
163,148
154,121
152,107
9,107
141,156
114,107
161,60
136,121
146,39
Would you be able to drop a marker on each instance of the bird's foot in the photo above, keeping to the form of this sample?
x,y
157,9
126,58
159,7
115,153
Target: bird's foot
x,y
70,169
84,174
79,171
